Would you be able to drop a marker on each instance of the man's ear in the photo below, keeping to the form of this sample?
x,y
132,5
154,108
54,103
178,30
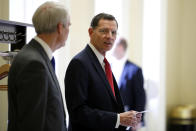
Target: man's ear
x,y
59,27
90,31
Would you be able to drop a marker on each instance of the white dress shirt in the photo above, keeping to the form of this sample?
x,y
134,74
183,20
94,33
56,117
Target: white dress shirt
x,y
45,46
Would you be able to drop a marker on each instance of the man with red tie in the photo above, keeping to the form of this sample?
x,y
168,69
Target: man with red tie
x,y
92,96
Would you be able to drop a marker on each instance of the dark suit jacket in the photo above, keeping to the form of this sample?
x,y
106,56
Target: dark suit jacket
x,y
34,96
90,101
131,87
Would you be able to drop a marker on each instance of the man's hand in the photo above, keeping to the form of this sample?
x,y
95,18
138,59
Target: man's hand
x,y
130,118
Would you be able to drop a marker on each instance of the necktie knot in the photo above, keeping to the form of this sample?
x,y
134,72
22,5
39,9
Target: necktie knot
x,y
53,62
106,62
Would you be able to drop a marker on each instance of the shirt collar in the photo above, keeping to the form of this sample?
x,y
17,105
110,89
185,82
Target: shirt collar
x,y
97,53
45,46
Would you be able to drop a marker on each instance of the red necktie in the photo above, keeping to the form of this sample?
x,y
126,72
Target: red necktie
x,y
109,74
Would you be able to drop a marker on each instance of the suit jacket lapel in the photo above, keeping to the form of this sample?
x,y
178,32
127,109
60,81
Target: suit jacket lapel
x,y
99,69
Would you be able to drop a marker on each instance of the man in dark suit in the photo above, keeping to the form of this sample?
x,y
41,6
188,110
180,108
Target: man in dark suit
x,y
130,79
34,95
92,95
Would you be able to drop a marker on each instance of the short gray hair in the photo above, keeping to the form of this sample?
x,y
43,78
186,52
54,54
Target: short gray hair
x,y
47,17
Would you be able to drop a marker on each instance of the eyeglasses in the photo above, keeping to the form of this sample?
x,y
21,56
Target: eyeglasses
x,y
107,31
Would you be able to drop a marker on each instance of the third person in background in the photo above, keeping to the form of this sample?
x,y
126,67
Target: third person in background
x,y
129,78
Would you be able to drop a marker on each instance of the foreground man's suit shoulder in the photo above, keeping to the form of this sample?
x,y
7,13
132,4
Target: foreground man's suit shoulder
x,y
38,105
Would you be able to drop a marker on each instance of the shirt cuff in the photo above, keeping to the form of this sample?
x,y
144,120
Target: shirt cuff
x,y
118,121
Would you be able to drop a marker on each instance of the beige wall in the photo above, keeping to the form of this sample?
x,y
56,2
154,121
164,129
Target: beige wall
x,y
188,52
81,15
4,14
4,10
173,53
135,30
181,71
